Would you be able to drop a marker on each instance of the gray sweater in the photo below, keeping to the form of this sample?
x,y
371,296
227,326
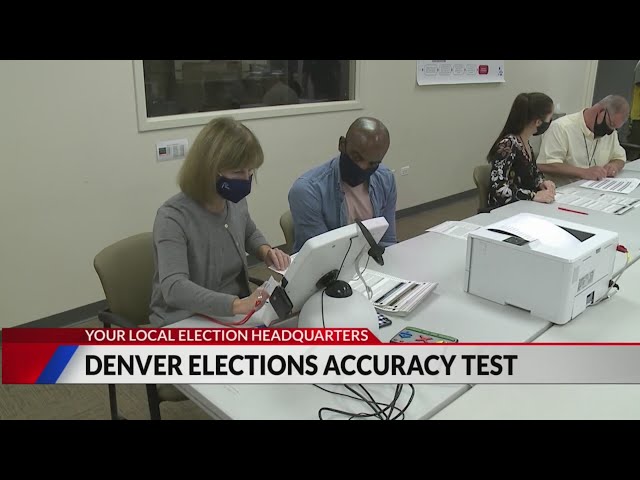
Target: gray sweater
x,y
200,259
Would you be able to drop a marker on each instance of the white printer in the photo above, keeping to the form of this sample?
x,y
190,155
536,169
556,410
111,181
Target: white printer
x,y
551,268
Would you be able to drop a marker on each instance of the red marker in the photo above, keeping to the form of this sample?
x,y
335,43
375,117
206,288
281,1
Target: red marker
x,y
572,211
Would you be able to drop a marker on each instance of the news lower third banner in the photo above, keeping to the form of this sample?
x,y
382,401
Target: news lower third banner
x,y
262,355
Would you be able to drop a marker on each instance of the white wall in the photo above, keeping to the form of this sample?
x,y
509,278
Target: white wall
x,y
77,175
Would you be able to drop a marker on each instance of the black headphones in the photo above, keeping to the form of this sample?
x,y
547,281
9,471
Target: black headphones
x,y
376,251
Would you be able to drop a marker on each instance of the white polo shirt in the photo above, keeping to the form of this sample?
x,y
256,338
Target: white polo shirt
x,y
569,140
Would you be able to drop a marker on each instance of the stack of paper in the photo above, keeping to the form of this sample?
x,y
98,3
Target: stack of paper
x,y
454,229
601,202
392,295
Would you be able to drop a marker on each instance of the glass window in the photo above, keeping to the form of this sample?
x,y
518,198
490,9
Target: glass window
x,y
177,87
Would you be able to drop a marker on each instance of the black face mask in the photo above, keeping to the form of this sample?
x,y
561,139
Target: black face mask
x,y
601,129
542,128
233,189
352,173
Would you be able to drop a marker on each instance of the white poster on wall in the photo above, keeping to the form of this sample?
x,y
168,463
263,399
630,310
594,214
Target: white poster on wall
x,y
437,72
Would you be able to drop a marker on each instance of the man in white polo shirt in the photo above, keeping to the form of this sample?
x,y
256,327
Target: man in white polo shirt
x,y
585,145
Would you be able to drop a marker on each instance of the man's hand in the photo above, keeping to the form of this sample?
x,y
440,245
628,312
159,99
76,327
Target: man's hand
x,y
611,170
594,173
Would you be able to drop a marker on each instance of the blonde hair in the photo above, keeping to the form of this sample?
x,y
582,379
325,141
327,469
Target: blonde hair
x,y
223,144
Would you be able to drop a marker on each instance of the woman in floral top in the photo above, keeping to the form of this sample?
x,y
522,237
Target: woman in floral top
x,y
514,173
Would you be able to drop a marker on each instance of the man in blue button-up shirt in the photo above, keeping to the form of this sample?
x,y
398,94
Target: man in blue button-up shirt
x,y
353,185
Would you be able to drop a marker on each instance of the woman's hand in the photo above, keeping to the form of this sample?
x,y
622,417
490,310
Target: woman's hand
x,y
255,301
544,196
276,258
550,186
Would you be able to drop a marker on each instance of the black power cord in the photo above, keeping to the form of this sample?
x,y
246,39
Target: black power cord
x,y
377,407
345,257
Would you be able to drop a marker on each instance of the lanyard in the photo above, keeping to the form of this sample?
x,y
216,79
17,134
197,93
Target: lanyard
x,y
587,148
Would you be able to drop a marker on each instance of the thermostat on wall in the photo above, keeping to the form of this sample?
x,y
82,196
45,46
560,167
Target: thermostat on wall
x,y
172,150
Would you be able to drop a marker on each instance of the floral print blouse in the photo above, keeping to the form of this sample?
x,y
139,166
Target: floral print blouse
x,y
514,174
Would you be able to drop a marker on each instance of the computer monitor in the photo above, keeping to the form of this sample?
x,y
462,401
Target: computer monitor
x,y
331,255
333,251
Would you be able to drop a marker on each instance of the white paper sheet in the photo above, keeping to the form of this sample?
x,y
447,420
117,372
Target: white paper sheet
x,y
270,285
593,200
614,185
282,272
548,233
454,229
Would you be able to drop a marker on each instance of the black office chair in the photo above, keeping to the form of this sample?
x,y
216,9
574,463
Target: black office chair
x,y
632,150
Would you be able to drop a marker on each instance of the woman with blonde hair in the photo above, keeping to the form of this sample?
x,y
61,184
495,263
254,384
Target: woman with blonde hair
x,y
202,234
